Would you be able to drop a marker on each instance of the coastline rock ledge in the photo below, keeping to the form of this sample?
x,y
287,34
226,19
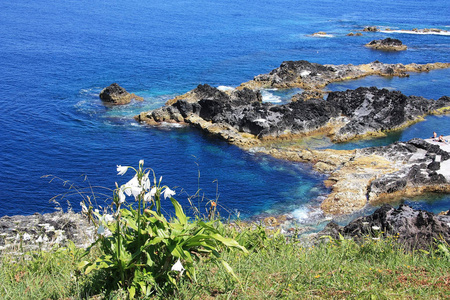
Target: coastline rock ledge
x,y
241,118
414,229
375,175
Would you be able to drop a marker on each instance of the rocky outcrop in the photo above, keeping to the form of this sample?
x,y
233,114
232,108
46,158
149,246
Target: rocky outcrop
x,y
414,229
117,95
377,174
387,44
373,111
354,34
371,29
241,118
310,76
45,231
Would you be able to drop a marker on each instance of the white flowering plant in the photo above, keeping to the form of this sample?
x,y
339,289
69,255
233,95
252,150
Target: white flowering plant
x,y
141,250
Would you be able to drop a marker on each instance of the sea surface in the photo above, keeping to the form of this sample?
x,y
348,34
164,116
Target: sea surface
x,y
56,56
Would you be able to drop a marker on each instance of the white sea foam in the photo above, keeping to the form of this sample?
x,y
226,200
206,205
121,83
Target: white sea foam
x,y
322,35
269,97
442,32
171,125
301,214
224,88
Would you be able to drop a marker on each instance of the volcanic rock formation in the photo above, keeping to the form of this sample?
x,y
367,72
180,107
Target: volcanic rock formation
x,y
117,95
387,44
414,229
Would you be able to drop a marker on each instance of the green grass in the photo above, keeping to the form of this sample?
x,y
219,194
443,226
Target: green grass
x,y
39,275
276,268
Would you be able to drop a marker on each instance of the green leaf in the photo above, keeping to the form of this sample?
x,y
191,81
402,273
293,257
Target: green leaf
x,y
131,292
229,269
179,211
83,264
99,264
162,233
153,241
155,215
228,242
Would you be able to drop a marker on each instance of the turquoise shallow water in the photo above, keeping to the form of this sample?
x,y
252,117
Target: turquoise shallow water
x,y
56,57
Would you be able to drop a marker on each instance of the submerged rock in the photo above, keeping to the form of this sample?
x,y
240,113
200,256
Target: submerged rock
x,y
117,95
414,229
387,44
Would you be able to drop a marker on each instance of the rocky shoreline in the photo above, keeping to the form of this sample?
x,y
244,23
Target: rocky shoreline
x,y
358,177
415,229
375,175
313,76
19,234
241,118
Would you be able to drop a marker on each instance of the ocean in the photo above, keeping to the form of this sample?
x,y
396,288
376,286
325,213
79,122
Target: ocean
x,y
56,56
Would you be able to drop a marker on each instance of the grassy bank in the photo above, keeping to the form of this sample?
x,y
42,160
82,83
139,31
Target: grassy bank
x,y
276,268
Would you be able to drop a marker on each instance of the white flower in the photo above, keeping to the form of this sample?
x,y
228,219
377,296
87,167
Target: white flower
x,y
148,197
101,229
132,187
26,237
121,170
376,239
108,218
146,181
141,162
40,239
121,196
178,267
375,228
168,193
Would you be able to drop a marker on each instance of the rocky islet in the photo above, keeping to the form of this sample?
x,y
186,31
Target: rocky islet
x,y
117,95
387,44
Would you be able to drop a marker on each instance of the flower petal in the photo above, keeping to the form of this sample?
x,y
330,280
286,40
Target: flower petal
x,y
121,170
168,193
147,197
178,267
101,229
146,181
121,196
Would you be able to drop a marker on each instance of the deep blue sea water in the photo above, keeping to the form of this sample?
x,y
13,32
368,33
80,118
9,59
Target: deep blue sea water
x,y
56,56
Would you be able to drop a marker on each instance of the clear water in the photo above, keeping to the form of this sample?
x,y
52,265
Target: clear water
x,y
55,57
